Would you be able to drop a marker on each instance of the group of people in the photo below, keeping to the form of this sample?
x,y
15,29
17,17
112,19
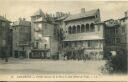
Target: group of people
x,y
81,55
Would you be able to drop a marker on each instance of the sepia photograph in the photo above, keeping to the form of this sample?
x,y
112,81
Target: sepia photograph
x,y
57,40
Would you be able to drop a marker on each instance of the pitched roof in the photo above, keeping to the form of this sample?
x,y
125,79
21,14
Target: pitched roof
x,y
21,23
38,13
111,22
82,15
4,19
81,36
123,18
42,16
61,18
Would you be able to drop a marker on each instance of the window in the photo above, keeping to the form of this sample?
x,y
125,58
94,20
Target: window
x,y
3,24
92,27
14,28
96,16
69,30
123,29
74,29
45,25
75,44
81,43
37,43
87,27
82,28
118,40
45,46
115,41
98,28
78,29
108,41
116,30
89,43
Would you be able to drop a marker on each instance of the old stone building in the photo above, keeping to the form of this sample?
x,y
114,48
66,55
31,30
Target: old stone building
x,y
111,37
5,38
64,35
60,30
21,38
124,33
84,35
44,38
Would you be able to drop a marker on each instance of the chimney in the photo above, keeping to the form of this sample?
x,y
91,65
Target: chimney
x,y
126,14
82,10
24,19
20,19
51,15
57,14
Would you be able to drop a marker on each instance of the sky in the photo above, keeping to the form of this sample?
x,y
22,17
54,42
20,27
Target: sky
x,y
14,9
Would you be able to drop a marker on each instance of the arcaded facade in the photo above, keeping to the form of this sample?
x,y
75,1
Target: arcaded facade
x,y
84,35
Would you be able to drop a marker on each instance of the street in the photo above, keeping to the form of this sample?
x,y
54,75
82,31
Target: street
x,y
38,66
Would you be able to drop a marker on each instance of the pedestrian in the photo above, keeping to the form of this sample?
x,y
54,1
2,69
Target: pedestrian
x,y
2,54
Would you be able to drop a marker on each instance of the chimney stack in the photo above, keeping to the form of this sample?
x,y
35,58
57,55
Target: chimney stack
x,y
20,19
126,14
57,14
24,19
82,10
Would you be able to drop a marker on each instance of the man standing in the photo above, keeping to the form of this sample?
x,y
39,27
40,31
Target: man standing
x,y
4,54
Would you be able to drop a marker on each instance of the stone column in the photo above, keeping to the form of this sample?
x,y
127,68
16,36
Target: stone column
x,y
76,30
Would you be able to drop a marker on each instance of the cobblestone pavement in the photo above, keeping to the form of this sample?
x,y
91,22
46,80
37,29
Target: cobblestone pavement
x,y
38,66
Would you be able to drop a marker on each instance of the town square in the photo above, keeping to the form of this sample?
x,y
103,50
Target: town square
x,y
63,37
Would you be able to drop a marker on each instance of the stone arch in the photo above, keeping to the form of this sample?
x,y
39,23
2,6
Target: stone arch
x,y
69,29
78,28
92,27
62,29
87,27
74,29
83,28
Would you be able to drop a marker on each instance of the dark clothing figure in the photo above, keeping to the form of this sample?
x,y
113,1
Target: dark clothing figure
x,y
4,55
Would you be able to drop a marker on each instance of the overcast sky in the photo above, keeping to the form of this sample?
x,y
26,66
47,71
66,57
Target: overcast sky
x,y
25,8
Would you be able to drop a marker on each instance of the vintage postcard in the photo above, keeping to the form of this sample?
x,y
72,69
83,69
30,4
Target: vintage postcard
x,y
58,40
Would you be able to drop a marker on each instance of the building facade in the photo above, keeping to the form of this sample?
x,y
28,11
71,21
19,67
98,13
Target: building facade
x,y
5,38
21,38
45,43
60,30
79,36
84,35
124,33
111,37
